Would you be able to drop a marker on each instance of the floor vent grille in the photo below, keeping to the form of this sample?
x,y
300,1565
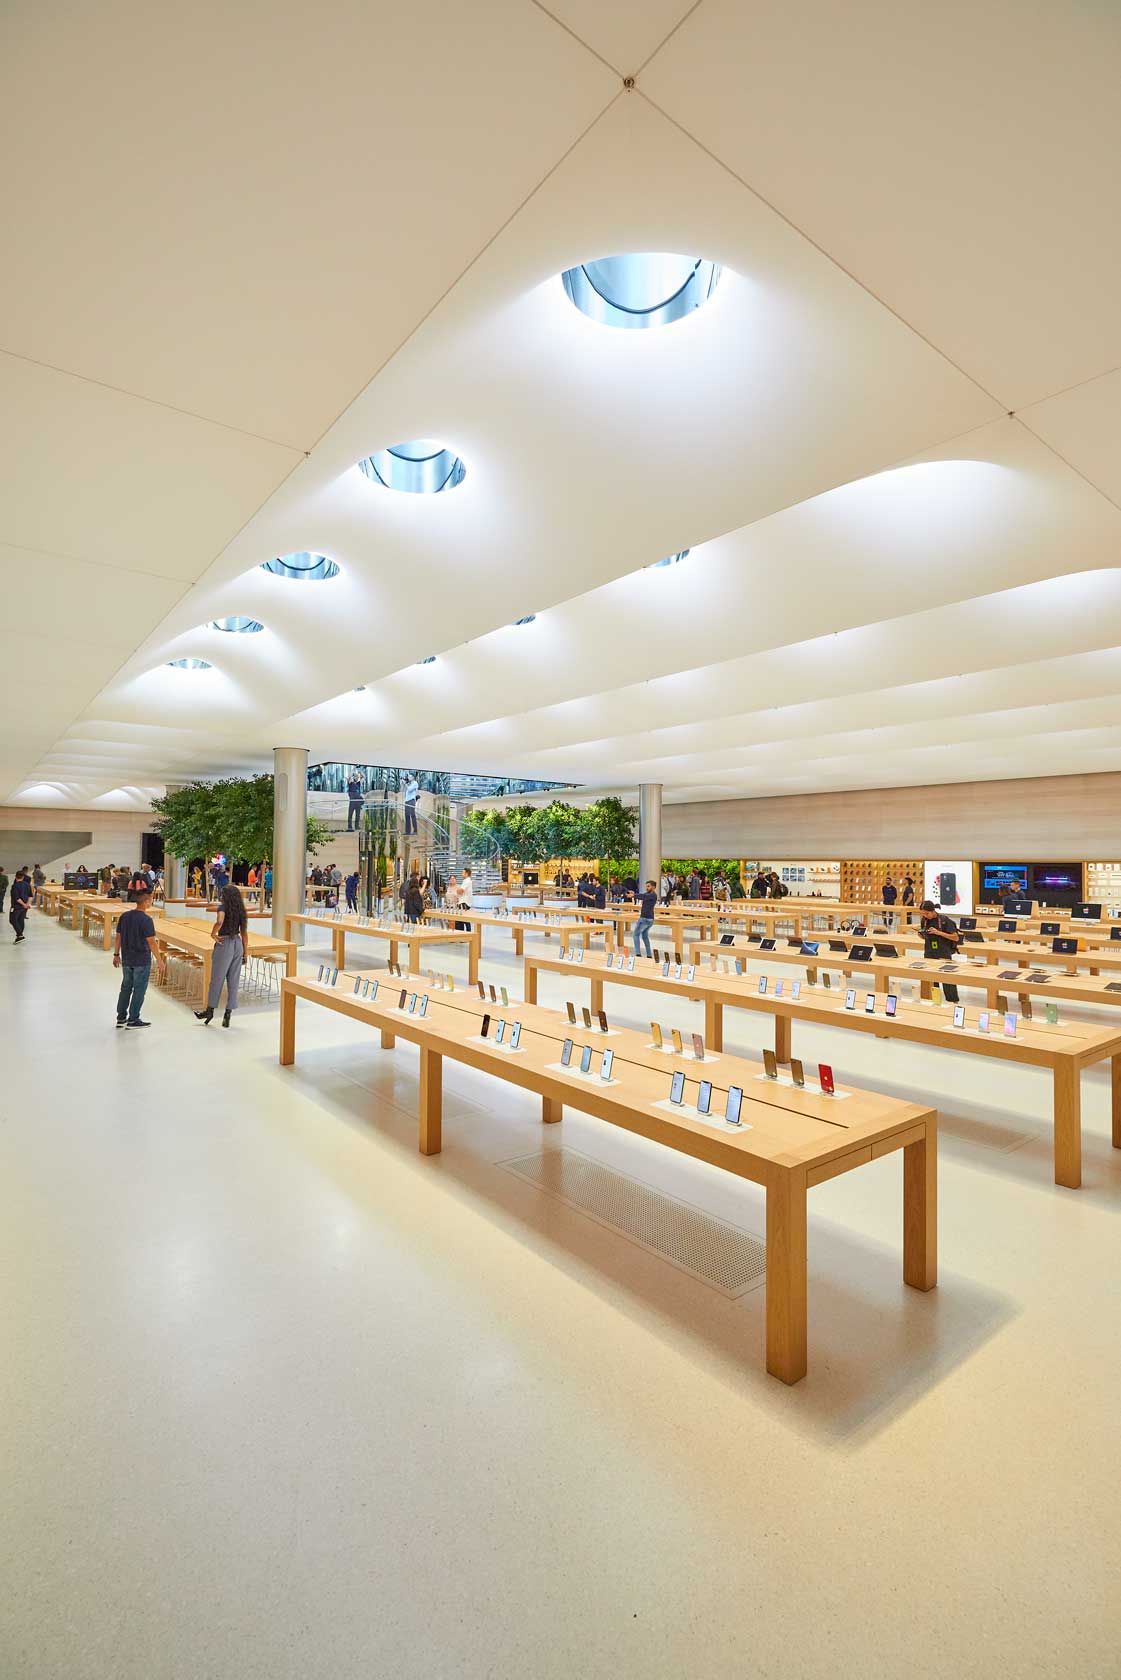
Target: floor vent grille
x,y
709,1249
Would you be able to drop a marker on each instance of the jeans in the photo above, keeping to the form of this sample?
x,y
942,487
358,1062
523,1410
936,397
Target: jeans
x,y
354,815
352,902
134,983
410,816
642,931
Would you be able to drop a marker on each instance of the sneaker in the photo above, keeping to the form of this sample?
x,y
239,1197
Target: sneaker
x,y
131,1024
121,1022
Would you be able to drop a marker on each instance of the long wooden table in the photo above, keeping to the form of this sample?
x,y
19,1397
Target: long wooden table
x,y
571,930
1064,1049
105,911
413,935
191,933
1094,959
789,1142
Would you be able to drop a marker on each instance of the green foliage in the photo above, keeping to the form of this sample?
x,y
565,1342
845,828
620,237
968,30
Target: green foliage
x,y
232,816
528,834
607,830
710,868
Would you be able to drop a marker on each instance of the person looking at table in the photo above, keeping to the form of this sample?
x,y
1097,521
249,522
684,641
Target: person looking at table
x,y
647,906
352,891
758,886
134,946
230,934
21,898
938,932
4,885
413,900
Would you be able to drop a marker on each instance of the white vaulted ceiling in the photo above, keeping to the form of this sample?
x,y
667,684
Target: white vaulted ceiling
x,y
245,249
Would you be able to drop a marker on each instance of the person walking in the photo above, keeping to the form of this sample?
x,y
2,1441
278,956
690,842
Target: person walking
x,y
412,794
352,892
354,801
413,902
268,886
134,946
646,908
4,885
230,934
20,900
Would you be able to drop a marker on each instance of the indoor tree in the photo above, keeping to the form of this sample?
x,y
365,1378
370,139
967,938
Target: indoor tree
x,y
233,815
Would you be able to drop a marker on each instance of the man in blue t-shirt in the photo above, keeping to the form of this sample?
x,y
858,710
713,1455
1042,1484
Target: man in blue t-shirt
x,y
21,900
646,909
133,950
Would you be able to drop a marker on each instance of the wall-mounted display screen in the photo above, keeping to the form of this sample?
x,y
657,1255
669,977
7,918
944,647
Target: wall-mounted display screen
x,y
1056,879
1004,880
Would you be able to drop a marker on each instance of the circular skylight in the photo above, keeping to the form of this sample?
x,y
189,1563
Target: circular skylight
x,y
310,567
422,467
190,664
641,289
670,559
239,625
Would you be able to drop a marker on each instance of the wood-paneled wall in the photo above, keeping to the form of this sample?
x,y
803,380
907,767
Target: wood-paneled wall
x,y
1047,818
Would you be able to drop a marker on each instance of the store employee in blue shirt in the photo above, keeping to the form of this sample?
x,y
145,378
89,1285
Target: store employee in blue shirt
x,y
133,950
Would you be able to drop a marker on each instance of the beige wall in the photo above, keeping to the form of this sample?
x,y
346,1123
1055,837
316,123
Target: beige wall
x,y
1049,818
115,836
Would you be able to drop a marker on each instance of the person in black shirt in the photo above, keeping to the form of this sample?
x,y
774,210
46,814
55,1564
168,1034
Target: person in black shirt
x,y
598,895
909,890
21,898
133,950
645,922
940,939
4,885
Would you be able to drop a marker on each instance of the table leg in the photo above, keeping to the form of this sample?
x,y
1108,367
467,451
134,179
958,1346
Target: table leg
x,y
782,1038
798,927
207,965
388,1039
714,1023
519,942
920,1210
883,982
596,999
924,989
552,1110
431,1100
1115,1072
530,982
414,956
287,1027
107,933
290,958
392,959
473,958
338,946
1068,1125
786,1277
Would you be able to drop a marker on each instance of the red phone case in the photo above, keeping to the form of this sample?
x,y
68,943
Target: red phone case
x,y
825,1078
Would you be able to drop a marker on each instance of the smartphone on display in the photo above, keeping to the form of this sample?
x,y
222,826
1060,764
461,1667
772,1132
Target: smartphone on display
x,y
704,1096
499,1031
959,1015
739,966
566,1052
797,1072
656,1034
485,1028
825,1078
870,1003
657,954
732,1106
571,1007
630,963
482,990
424,1004
795,989
579,953
698,1047
357,987
319,976
935,992
602,1019
826,982
778,988
585,1058
587,1014
1010,1026
493,995
412,1003
606,1064
677,971
1025,1006
677,1088
891,1003
983,1021
449,983
515,1035
611,959
1051,1010
403,999
677,1045
762,983
665,969
505,997
770,1064
850,999
691,972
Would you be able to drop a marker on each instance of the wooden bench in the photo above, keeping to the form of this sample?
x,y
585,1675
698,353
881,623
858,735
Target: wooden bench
x,y
789,1142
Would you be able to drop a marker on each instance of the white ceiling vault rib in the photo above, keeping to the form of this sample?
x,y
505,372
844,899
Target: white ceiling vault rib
x,y
888,576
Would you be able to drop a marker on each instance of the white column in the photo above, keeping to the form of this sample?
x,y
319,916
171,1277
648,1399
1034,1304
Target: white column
x,y
174,881
649,832
289,837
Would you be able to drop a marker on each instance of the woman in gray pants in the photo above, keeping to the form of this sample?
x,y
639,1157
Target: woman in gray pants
x,y
231,949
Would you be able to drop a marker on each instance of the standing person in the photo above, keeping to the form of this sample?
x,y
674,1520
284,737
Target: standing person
x,y
646,908
352,892
940,939
412,794
451,894
694,883
268,886
890,894
21,899
665,886
38,879
138,883
705,889
427,897
466,897
909,890
4,885
758,886
134,947
597,895
354,801
230,934
413,901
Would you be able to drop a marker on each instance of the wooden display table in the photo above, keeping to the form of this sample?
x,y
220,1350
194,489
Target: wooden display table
x,y
1064,1049
105,913
570,930
789,1142
412,935
190,933
71,904
1005,951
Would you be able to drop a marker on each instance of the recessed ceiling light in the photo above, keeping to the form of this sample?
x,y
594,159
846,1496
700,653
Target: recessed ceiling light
x,y
429,659
528,619
190,664
670,560
422,467
311,568
238,625
361,689
642,288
